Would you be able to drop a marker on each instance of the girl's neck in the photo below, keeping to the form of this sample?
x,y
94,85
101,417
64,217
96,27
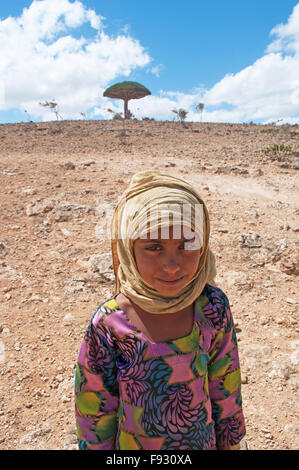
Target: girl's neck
x,y
164,327
140,311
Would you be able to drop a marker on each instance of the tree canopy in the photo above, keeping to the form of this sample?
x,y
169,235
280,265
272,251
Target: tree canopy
x,y
126,91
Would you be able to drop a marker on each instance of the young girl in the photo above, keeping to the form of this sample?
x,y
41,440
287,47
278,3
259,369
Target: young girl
x,y
158,368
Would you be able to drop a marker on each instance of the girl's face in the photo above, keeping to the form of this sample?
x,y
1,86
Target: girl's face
x,y
168,264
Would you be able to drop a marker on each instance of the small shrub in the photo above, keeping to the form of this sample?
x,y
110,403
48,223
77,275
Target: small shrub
x,y
117,117
182,114
269,130
279,148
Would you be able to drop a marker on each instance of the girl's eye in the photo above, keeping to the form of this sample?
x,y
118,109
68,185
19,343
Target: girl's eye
x,y
153,247
184,246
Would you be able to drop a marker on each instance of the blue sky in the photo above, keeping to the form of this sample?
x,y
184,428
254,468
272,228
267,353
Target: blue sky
x,y
240,58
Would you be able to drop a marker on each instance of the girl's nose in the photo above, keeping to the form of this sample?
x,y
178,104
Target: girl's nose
x,y
171,266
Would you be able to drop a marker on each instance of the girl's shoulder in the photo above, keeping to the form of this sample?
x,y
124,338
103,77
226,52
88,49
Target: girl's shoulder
x,y
106,314
214,293
104,309
213,307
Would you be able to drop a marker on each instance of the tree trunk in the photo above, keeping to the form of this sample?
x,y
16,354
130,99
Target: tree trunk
x,y
126,109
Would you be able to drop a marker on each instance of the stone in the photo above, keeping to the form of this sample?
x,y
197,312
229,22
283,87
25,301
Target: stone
x,y
65,211
68,318
88,163
279,370
2,352
290,267
29,191
40,207
103,265
3,250
237,278
251,240
68,165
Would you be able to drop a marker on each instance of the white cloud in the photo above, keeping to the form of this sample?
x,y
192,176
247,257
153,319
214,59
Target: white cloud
x,y
41,59
265,91
287,35
156,70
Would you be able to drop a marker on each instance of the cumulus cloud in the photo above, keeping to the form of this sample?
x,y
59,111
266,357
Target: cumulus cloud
x,y
265,91
287,35
42,59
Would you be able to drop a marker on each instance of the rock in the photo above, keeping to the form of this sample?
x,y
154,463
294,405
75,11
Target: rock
x,y
12,171
7,272
33,435
68,318
294,357
169,164
292,430
279,370
70,439
68,165
237,279
251,240
40,207
66,232
290,267
256,355
252,212
2,352
3,250
103,265
65,399
88,163
240,171
65,211
29,191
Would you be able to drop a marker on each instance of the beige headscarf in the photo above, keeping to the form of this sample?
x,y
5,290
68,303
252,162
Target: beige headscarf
x,y
156,199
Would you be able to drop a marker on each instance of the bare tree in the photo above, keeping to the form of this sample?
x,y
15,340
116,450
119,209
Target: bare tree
x,y
200,107
53,107
29,117
182,114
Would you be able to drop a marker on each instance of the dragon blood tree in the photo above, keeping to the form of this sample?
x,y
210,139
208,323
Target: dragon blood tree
x,y
126,91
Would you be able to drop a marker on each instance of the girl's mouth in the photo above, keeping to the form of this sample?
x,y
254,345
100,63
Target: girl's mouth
x,y
176,281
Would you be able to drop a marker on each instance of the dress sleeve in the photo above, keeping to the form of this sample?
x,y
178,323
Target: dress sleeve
x,y
96,389
225,381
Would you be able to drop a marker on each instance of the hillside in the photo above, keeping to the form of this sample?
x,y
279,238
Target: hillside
x,y
56,178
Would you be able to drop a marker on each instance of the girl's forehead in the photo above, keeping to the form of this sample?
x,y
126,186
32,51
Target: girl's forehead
x,y
176,232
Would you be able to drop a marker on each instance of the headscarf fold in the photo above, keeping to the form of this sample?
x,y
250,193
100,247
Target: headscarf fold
x,y
156,200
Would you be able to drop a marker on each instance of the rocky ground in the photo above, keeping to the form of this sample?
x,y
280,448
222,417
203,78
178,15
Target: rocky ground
x,y
57,183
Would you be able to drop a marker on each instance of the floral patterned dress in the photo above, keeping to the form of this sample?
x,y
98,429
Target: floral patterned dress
x,y
132,393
